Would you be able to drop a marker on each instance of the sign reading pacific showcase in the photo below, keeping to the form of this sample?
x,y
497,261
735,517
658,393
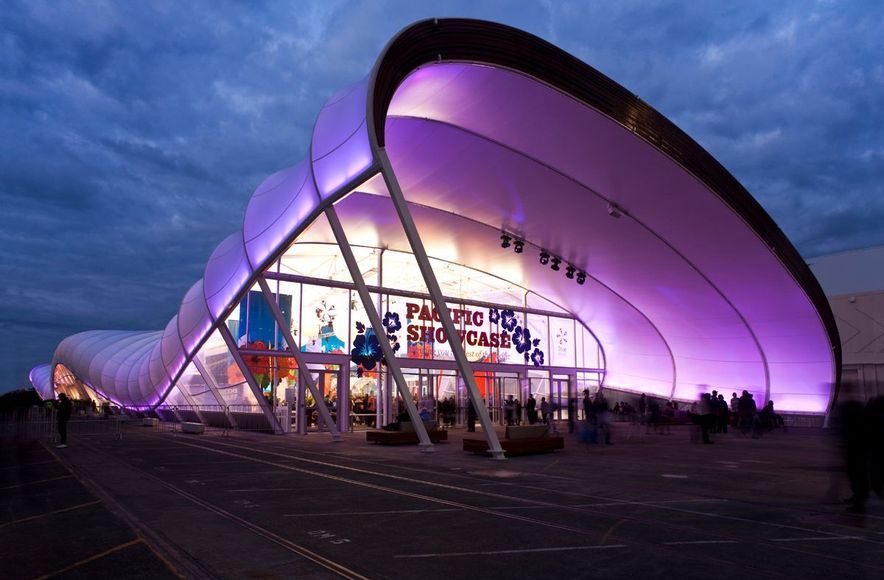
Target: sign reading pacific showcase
x,y
417,332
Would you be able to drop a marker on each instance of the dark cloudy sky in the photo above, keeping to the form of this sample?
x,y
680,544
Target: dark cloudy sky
x,y
134,132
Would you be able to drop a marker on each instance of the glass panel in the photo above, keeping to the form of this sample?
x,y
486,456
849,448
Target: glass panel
x,y
561,352
290,293
325,319
538,347
401,272
364,394
508,353
223,369
590,350
257,328
193,384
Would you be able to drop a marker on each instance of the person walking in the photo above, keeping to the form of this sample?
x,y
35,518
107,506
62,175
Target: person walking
x,y
531,408
64,414
706,417
518,406
509,410
544,410
572,413
471,415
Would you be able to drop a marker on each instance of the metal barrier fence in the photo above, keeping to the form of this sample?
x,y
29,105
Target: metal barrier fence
x,y
224,417
41,424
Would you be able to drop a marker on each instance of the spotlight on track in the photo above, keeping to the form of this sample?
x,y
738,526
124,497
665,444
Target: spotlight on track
x,y
555,264
505,240
569,272
581,278
519,246
544,258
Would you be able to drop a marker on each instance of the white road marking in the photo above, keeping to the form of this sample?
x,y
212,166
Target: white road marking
x,y
389,512
524,551
700,542
817,539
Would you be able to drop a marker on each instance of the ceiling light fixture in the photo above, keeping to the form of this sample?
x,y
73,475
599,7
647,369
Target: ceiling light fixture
x,y
505,240
569,272
519,246
544,257
581,278
555,264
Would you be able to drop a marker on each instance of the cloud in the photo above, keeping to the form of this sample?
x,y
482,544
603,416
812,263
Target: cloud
x,y
147,125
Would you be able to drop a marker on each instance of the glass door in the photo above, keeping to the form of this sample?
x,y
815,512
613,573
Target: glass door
x,y
327,383
559,395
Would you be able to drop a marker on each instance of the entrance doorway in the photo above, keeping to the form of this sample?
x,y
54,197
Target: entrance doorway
x,y
327,379
561,393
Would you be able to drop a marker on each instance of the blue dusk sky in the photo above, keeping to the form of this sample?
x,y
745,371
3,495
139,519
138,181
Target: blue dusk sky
x,y
133,133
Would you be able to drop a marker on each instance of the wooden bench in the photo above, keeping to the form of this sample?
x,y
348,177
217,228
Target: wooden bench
x,y
520,440
406,434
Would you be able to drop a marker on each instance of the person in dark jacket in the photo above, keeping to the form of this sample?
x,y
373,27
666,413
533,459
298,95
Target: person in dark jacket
x,y
531,409
64,415
471,415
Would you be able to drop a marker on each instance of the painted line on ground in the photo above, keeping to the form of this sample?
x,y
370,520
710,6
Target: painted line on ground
x,y
92,558
52,513
27,465
817,539
689,543
36,482
377,513
500,552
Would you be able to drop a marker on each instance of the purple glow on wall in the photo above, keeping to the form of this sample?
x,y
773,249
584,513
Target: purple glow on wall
x,y
274,213
194,320
227,273
340,149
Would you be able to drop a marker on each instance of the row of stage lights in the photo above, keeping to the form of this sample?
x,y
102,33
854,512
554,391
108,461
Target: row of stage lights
x,y
518,244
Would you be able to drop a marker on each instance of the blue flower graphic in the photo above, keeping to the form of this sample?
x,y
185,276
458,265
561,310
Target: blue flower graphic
x,y
508,319
366,351
391,322
493,315
536,357
522,340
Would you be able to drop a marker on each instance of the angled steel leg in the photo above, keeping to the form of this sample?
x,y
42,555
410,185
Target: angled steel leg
x,y
213,386
244,369
296,352
423,262
190,401
379,330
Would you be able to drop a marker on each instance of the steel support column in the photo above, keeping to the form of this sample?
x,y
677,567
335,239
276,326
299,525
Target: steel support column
x,y
247,374
299,358
423,262
380,331
213,386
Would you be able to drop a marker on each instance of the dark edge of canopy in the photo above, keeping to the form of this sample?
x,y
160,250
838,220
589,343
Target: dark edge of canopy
x,y
457,39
